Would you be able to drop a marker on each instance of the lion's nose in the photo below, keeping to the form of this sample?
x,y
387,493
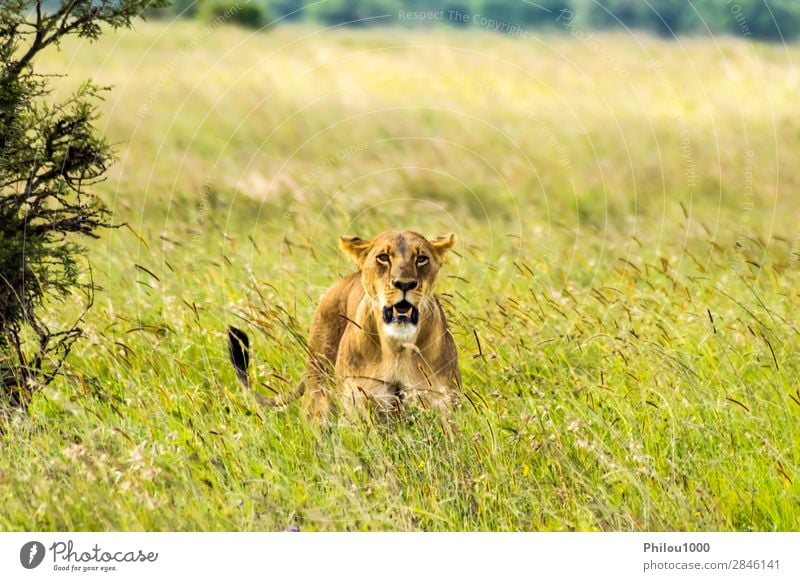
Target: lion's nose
x,y
404,286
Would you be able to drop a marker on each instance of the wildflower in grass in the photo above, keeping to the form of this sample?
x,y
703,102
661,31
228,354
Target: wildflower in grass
x,y
75,451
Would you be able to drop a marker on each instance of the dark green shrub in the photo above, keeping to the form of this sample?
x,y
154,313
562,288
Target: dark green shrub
x,y
524,14
50,157
250,14
774,20
355,12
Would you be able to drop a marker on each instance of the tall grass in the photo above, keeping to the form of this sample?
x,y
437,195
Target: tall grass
x,y
624,294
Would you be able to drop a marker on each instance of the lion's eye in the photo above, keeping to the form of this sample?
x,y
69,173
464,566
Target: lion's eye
x,y
422,260
383,258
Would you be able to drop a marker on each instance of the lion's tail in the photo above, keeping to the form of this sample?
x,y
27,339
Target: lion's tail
x,y
239,350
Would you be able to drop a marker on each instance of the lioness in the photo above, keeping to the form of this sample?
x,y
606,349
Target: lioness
x,y
379,335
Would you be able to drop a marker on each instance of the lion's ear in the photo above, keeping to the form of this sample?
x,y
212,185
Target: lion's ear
x,y
443,243
355,248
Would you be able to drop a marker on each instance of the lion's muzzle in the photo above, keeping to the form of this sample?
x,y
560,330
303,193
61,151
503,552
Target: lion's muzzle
x,y
402,312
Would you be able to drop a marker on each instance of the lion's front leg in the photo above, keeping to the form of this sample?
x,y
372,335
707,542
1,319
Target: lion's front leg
x,y
324,340
363,392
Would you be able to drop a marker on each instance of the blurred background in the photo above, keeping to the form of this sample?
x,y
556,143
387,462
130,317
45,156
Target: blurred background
x,y
770,20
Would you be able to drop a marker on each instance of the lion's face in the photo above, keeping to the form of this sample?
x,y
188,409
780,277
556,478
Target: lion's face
x,y
398,271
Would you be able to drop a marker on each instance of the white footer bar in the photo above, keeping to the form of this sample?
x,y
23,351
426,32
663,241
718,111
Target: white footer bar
x,y
400,556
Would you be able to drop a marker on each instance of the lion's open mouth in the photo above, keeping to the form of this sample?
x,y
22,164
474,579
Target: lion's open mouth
x,y
402,312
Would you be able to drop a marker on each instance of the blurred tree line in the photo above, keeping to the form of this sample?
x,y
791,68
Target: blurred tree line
x,y
774,20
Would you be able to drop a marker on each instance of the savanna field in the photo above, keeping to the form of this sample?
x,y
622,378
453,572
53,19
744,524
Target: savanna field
x,y
624,292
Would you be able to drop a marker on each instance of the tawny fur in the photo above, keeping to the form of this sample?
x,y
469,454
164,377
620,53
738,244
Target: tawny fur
x,y
354,360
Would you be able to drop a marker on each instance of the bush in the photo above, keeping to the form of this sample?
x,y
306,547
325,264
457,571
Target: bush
x,y
663,17
542,13
613,13
50,157
287,10
178,8
355,12
765,19
248,15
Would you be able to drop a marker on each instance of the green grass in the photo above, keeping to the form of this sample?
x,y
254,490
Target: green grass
x,y
625,309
